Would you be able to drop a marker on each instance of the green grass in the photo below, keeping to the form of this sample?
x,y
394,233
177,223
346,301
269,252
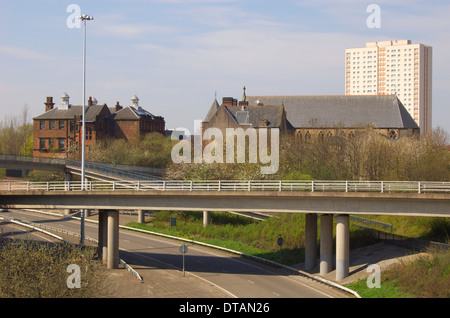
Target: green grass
x,y
428,276
426,228
388,289
230,244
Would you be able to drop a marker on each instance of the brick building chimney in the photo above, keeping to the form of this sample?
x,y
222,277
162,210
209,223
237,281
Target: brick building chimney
x,y
118,107
229,101
49,104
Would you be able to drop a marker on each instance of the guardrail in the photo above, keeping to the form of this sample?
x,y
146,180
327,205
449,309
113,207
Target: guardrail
x,y
228,185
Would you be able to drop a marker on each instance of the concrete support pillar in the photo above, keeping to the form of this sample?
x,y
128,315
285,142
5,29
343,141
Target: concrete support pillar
x,y
326,243
141,216
342,246
103,235
310,241
206,218
113,240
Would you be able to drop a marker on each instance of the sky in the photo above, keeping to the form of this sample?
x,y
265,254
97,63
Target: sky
x,y
177,56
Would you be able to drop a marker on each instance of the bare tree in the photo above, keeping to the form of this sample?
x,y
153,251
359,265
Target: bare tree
x,y
14,133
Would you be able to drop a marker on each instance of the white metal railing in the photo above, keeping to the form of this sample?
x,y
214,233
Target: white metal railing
x,y
233,185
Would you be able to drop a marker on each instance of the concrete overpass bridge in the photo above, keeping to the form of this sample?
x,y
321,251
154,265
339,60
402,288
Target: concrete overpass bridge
x,y
93,170
324,199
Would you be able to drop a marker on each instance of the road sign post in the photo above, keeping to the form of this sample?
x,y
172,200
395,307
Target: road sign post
x,y
280,242
183,250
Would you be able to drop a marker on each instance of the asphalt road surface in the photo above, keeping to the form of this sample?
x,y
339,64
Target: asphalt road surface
x,y
12,231
228,275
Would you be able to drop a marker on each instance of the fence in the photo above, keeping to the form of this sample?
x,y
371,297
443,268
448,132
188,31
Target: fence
x,y
407,242
228,185
370,224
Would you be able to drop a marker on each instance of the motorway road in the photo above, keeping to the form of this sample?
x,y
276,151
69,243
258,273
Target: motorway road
x,y
232,275
12,231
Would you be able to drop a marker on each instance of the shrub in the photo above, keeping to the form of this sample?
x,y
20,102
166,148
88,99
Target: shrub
x,y
39,270
427,277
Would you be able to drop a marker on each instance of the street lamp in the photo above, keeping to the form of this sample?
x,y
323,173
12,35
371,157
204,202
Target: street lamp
x,y
83,18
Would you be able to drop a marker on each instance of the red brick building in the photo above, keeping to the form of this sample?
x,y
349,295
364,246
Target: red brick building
x,y
133,121
57,132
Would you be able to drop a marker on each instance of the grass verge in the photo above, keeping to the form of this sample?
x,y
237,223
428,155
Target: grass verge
x,y
428,276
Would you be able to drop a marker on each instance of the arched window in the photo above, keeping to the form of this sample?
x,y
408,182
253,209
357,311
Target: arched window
x,y
321,135
307,136
392,134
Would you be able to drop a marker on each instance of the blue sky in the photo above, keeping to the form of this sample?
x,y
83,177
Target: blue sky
x,y
177,55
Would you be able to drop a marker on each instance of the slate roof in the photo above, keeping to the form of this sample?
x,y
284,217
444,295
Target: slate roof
x,y
250,115
257,116
130,113
127,113
92,112
341,111
212,110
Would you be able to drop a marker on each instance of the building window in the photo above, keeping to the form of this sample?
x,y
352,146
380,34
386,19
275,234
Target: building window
x,y
72,126
307,136
61,143
52,124
61,124
321,136
41,143
42,124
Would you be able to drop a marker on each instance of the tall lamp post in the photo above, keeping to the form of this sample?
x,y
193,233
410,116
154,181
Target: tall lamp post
x,y
83,18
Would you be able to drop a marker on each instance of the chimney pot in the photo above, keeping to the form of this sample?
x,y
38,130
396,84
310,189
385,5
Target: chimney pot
x,y
229,101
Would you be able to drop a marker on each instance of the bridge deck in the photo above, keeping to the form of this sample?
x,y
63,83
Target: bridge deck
x,y
412,204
